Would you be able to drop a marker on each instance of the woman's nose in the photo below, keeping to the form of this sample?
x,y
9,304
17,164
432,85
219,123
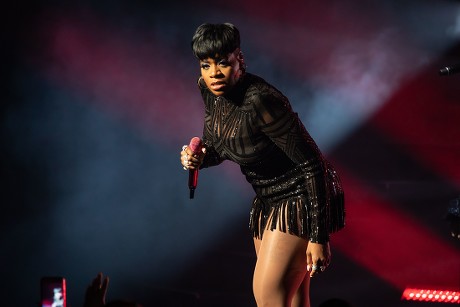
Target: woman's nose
x,y
214,71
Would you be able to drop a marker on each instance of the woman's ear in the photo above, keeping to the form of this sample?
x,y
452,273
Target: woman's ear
x,y
240,58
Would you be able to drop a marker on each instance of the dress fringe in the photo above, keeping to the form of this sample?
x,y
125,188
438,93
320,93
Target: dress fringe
x,y
294,216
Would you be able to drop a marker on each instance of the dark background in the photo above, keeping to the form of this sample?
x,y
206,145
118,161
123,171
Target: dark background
x,y
99,96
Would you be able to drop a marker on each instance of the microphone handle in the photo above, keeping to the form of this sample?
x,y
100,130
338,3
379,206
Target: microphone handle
x,y
195,145
192,181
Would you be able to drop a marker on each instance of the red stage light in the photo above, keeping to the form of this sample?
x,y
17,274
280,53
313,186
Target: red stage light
x,y
425,295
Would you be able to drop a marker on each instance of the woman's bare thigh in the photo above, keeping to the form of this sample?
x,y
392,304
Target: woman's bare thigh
x,y
281,264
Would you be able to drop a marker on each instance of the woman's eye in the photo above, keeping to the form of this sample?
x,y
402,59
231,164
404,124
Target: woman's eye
x,y
204,66
223,63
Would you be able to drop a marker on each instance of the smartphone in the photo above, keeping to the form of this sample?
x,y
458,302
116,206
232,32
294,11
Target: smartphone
x,y
53,291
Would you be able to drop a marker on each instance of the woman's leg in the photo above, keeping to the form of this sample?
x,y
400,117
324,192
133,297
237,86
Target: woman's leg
x,y
281,270
302,295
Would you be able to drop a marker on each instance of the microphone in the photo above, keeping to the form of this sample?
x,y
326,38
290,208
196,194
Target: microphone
x,y
196,146
450,70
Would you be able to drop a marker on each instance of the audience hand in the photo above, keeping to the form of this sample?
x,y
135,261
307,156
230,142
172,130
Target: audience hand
x,y
96,292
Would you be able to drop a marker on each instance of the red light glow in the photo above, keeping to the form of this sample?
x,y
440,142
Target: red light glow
x,y
424,295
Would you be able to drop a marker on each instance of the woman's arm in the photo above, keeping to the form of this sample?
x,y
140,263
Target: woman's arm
x,y
284,128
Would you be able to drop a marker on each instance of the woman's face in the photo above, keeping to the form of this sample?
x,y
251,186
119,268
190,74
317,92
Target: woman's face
x,y
221,73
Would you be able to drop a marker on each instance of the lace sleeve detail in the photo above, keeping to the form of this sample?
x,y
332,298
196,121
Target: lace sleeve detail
x,y
284,128
211,158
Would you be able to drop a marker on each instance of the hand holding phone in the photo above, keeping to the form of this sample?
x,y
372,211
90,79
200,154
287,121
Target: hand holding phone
x,y
53,291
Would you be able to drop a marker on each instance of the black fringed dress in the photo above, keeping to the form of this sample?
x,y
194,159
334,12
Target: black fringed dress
x,y
297,190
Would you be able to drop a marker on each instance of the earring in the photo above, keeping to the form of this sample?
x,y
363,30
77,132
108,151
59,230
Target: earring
x,y
201,83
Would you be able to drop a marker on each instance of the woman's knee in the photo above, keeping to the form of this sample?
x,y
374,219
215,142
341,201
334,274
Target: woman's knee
x,y
269,295
276,290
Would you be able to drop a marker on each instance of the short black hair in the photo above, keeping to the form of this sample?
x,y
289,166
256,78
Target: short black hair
x,y
211,40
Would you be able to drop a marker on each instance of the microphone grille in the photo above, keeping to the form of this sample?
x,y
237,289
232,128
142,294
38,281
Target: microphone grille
x,y
195,144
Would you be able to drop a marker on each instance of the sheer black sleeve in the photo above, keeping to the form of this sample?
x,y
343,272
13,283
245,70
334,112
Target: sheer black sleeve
x,y
283,126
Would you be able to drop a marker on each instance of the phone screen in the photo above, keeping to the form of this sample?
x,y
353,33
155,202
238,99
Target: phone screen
x,y
53,292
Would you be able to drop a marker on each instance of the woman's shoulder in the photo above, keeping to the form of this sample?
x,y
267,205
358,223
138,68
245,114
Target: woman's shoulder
x,y
257,83
259,90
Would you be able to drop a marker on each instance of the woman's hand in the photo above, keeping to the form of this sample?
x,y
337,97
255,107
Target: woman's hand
x,y
190,160
96,291
318,257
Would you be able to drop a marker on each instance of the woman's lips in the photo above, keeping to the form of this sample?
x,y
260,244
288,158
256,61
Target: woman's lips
x,y
217,85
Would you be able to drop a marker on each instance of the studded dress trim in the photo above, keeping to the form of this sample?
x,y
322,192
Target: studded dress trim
x,y
293,203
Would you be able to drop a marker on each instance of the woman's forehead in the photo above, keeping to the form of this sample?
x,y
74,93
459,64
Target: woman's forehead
x,y
218,57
